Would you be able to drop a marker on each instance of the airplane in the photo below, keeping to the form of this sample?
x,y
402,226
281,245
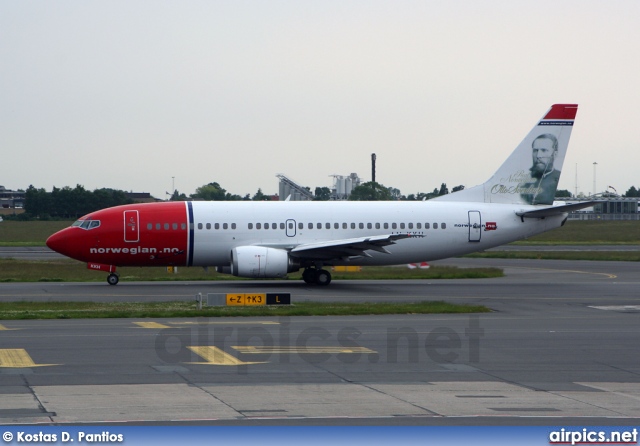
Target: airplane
x,y
271,239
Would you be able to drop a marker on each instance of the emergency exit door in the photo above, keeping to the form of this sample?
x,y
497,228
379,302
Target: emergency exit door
x,y
131,226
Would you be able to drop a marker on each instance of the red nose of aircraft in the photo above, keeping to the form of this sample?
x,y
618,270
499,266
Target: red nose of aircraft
x,y
63,242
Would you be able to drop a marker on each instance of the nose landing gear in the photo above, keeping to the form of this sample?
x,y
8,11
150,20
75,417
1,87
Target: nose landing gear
x,y
113,279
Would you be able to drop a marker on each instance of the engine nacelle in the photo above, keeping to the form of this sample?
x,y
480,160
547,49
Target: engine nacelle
x,y
261,262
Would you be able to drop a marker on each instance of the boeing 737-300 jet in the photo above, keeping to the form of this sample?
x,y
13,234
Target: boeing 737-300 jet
x,y
270,239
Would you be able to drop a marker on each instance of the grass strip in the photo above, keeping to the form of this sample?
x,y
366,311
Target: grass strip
x,y
63,270
617,256
137,310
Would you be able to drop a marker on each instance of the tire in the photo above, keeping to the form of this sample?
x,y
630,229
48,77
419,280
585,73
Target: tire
x,y
323,277
309,276
113,279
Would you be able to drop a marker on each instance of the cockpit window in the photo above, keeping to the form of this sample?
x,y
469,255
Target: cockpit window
x,y
87,224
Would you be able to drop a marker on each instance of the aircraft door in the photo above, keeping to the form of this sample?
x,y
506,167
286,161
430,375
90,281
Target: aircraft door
x,y
475,226
290,226
131,226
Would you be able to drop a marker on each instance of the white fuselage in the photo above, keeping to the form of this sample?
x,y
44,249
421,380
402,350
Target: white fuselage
x,y
439,229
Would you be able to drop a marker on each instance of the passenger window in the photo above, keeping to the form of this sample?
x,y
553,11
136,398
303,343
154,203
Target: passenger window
x,y
282,226
386,225
377,225
353,225
166,226
225,226
183,226
258,226
319,225
394,225
344,226
310,225
274,225
419,225
158,227
300,225
174,226
199,225
401,225
361,225
233,225
250,225
266,225
435,226
410,225
443,225
208,225
290,225
336,225
149,226
426,225
327,225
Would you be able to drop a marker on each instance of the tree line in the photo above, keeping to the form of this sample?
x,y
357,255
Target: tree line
x,y
67,203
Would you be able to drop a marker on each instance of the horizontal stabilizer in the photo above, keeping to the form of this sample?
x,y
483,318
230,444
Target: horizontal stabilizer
x,y
556,210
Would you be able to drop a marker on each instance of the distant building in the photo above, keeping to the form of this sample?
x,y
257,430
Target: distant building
x,y
292,191
608,208
344,185
11,199
141,197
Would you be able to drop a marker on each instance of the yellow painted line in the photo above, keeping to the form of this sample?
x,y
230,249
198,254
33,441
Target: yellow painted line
x,y
227,323
607,275
18,358
300,350
216,356
151,325
3,328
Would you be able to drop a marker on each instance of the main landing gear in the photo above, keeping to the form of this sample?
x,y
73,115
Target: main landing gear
x,y
317,276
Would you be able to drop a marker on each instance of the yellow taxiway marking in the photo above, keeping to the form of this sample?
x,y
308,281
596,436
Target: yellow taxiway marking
x,y
151,325
607,275
216,356
227,323
18,358
300,350
3,328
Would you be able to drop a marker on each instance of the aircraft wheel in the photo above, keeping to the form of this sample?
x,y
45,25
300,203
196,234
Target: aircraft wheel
x,y
113,279
323,277
308,275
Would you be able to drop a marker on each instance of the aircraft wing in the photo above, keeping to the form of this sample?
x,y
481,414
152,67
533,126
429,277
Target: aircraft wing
x,y
351,247
555,210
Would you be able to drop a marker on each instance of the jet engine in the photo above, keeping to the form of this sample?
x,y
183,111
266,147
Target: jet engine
x,y
261,262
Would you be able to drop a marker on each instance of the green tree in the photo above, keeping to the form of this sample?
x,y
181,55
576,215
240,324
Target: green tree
x,y
632,192
370,191
322,194
563,193
210,192
259,196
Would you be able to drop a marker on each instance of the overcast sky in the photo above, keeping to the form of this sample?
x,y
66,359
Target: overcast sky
x,y
128,94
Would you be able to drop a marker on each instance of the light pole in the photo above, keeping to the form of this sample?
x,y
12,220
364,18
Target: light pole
x,y
594,178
